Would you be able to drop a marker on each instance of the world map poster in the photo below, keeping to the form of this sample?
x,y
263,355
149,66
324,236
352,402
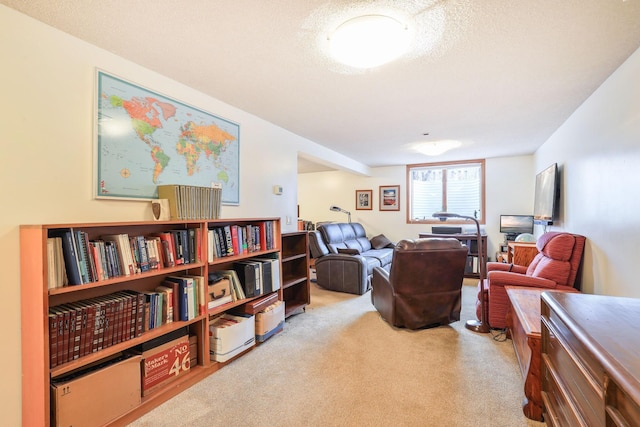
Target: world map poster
x,y
145,139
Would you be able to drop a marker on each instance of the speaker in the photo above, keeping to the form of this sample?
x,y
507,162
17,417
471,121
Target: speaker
x,y
445,230
160,210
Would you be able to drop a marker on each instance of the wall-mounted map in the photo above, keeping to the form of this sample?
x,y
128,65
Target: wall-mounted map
x,y
145,139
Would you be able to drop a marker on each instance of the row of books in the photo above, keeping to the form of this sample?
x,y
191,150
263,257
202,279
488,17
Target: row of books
x,y
258,276
248,278
232,240
192,202
74,259
86,326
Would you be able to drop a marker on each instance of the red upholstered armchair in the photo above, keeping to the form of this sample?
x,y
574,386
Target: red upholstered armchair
x,y
555,267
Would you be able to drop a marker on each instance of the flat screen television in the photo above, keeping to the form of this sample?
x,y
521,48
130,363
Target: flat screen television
x,y
547,193
513,225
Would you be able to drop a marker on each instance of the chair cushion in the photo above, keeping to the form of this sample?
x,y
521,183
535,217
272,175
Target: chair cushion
x,y
552,262
556,245
552,269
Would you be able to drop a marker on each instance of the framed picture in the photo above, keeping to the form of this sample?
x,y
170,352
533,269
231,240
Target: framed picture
x,y
389,197
363,199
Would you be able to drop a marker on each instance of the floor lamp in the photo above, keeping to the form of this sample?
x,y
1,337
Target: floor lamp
x,y
474,325
337,209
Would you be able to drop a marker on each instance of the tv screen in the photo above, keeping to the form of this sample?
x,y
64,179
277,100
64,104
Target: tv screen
x,y
546,195
516,224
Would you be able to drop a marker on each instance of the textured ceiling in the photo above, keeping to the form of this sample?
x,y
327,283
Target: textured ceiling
x,y
500,76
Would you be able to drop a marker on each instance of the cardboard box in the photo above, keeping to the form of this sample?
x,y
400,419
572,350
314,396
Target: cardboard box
x,y
97,397
230,335
165,363
270,321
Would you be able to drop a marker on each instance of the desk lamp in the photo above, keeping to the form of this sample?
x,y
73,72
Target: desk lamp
x,y
337,209
481,325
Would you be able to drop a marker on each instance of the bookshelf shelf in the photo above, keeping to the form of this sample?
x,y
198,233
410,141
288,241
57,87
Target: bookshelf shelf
x,y
124,279
296,288
37,298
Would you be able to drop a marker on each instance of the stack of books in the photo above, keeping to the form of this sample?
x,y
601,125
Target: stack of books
x,y
192,202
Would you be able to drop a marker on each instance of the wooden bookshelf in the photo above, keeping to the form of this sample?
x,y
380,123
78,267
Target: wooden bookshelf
x,y
296,285
37,298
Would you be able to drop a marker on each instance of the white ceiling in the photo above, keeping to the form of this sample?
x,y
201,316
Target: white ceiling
x,y
501,77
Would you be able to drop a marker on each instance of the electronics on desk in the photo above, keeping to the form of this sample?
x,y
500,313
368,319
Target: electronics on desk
x,y
513,225
445,230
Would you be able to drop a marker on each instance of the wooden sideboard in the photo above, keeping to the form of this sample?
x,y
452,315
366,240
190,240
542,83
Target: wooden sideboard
x,y
519,253
590,360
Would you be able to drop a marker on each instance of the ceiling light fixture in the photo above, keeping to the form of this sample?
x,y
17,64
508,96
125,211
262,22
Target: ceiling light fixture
x,y
369,41
435,148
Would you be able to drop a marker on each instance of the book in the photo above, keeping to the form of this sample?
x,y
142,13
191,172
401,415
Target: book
x,y
200,294
91,267
123,246
181,246
168,248
167,303
140,244
71,263
186,296
266,274
56,272
228,240
171,192
53,337
275,270
83,256
248,273
235,243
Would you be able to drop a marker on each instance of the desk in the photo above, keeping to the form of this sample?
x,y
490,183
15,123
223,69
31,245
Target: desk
x,y
523,320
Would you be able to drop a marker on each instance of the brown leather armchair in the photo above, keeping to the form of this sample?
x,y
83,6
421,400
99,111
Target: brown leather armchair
x,y
424,286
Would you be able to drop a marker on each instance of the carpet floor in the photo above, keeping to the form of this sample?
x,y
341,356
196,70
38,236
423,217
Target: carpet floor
x,y
340,364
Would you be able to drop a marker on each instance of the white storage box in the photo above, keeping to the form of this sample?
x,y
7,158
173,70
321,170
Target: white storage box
x,y
230,335
270,321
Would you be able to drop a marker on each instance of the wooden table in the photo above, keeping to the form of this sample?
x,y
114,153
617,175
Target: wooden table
x,y
523,320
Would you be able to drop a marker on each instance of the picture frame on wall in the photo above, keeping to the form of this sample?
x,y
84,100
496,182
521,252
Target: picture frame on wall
x,y
364,200
389,197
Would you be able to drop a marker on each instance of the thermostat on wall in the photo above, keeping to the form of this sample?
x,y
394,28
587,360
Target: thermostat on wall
x,y
277,190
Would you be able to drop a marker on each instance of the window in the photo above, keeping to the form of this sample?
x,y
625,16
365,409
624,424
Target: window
x,y
455,187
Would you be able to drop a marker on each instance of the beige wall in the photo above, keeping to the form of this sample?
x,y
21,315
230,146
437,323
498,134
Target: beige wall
x,y
46,156
598,151
509,191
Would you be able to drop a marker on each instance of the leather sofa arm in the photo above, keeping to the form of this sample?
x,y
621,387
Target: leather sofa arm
x,y
344,273
382,295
